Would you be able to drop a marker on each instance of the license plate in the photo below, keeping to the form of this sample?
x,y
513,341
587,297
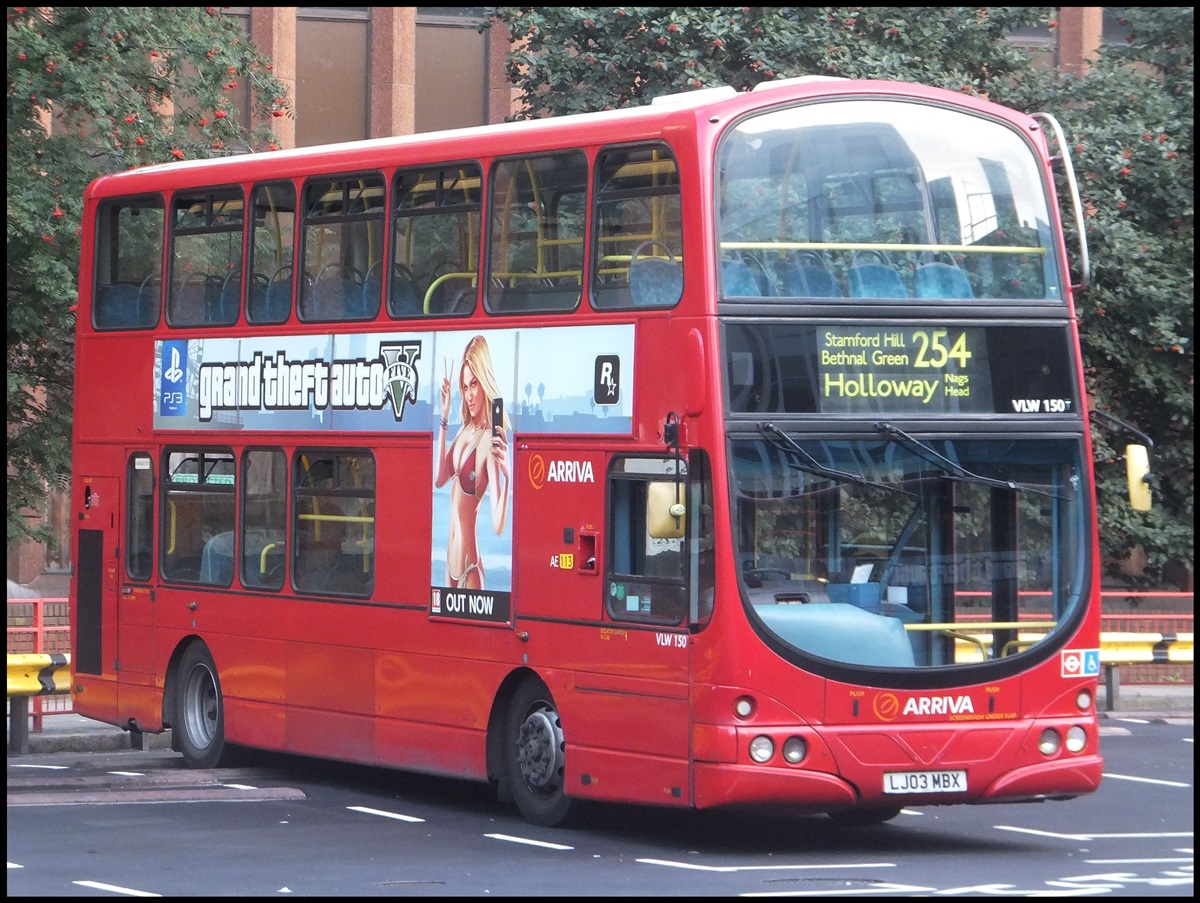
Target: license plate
x,y
924,782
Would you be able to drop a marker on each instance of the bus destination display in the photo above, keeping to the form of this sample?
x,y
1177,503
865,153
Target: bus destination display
x,y
891,368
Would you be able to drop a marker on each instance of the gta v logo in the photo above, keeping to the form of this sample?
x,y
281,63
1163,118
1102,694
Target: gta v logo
x,y
401,374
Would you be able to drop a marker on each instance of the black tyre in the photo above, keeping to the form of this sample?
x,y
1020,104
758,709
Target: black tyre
x,y
863,818
199,728
535,757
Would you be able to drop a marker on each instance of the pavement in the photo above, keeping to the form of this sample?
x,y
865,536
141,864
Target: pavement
x,y
68,732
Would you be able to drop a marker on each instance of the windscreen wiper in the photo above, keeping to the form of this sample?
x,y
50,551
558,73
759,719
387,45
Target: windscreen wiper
x,y
956,470
809,464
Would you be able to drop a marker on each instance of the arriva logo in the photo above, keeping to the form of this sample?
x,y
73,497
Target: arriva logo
x,y
887,706
938,705
542,471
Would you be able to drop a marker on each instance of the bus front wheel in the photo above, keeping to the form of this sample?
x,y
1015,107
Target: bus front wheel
x,y
535,756
199,728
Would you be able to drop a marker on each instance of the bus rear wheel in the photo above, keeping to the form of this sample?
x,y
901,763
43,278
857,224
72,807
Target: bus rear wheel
x,y
535,757
199,710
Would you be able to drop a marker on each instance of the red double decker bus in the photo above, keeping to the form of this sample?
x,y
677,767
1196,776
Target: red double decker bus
x,y
730,450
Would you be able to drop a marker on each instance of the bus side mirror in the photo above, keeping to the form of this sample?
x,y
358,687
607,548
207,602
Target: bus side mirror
x,y
665,517
1137,473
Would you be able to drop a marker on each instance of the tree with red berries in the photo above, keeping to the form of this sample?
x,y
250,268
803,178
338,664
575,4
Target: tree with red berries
x,y
95,90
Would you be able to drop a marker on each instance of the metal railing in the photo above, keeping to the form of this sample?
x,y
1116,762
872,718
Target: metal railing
x,y
37,626
39,642
33,675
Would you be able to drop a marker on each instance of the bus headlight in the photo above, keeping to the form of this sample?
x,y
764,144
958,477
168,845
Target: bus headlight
x,y
794,750
1076,739
1084,700
762,748
1048,742
743,707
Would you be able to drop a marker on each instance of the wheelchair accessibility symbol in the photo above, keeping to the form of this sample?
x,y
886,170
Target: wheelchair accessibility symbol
x,y
1080,662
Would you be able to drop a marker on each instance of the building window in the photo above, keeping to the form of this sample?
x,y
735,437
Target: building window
x,y
449,97
332,59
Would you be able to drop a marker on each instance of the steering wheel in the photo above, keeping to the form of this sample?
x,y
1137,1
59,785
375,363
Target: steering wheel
x,y
766,573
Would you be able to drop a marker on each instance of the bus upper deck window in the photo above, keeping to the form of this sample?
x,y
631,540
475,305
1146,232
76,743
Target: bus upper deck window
x,y
638,228
882,200
127,286
341,243
205,287
537,209
271,273
435,241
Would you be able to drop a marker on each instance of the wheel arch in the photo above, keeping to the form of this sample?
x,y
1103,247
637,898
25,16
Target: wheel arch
x,y
498,718
171,677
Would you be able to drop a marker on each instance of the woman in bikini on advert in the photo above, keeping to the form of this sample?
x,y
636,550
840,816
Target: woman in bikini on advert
x,y
476,461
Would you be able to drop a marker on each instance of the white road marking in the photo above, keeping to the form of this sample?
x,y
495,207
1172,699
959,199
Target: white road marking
x,y
1129,777
529,842
380,812
1055,834
765,868
116,889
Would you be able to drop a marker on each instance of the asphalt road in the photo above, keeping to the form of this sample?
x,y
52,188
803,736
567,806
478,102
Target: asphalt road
x,y
138,823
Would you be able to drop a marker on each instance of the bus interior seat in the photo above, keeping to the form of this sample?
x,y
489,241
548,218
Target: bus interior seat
x,y
873,276
403,301
334,298
257,302
807,275
365,303
277,302
461,302
942,280
843,632
149,302
215,311
264,556
216,561
738,280
118,306
654,281
535,295
225,310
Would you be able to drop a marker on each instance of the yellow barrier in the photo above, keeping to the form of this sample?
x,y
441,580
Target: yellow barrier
x,y
39,674
1116,649
32,674
1145,648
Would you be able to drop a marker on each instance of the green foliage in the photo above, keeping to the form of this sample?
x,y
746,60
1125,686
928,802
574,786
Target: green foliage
x,y
1132,123
94,90
1130,119
577,59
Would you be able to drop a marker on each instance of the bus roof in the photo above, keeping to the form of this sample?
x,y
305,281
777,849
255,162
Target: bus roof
x,y
711,105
